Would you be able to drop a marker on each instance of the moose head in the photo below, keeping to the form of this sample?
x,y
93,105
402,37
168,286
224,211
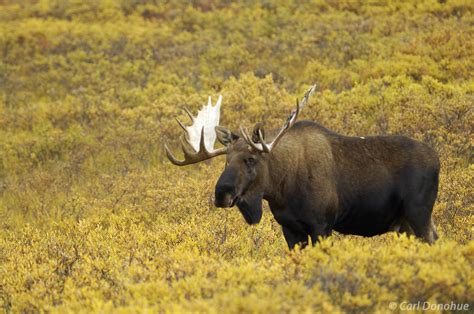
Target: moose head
x,y
244,180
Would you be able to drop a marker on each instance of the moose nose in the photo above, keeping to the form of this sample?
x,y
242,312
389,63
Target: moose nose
x,y
225,188
224,195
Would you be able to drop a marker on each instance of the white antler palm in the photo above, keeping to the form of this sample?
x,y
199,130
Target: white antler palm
x,y
206,120
200,136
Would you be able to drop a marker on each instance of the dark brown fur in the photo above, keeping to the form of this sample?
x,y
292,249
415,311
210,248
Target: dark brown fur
x,y
316,181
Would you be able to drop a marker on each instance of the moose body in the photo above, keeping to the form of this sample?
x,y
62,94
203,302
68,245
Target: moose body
x,y
317,181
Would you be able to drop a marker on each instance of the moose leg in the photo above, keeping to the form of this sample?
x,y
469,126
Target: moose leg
x,y
405,227
319,231
418,208
294,237
419,219
424,229
401,226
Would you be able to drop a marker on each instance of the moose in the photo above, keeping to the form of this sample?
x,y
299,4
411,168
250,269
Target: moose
x,y
316,180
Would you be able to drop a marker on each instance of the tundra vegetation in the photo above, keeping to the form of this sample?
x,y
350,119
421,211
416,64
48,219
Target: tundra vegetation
x,y
93,217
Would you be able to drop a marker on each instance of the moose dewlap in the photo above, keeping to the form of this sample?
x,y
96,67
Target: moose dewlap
x,y
316,180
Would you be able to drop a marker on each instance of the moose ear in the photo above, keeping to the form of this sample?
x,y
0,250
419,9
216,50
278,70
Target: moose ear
x,y
225,136
255,133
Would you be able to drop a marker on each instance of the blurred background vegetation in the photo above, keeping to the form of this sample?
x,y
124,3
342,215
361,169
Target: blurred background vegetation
x,y
93,216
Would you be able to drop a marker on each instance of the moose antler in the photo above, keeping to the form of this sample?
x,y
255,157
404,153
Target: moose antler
x,y
198,142
260,144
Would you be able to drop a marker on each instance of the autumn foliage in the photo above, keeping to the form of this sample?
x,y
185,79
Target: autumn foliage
x,y
94,218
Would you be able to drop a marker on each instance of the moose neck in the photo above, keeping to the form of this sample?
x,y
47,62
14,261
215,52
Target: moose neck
x,y
281,167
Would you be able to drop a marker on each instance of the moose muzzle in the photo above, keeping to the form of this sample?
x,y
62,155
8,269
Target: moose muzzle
x,y
225,193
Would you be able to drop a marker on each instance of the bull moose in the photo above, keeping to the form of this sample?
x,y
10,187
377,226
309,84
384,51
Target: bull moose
x,y
316,180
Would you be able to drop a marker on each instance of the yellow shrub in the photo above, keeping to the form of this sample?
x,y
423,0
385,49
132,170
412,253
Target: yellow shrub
x,y
94,218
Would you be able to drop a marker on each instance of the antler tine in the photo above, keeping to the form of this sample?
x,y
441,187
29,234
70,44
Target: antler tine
x,y
308,93
249,140
189,113
202,146
173,159
181,125
265,147
244,134
187,149
298,109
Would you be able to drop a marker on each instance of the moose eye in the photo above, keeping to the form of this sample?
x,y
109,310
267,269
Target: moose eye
x,y
250,161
